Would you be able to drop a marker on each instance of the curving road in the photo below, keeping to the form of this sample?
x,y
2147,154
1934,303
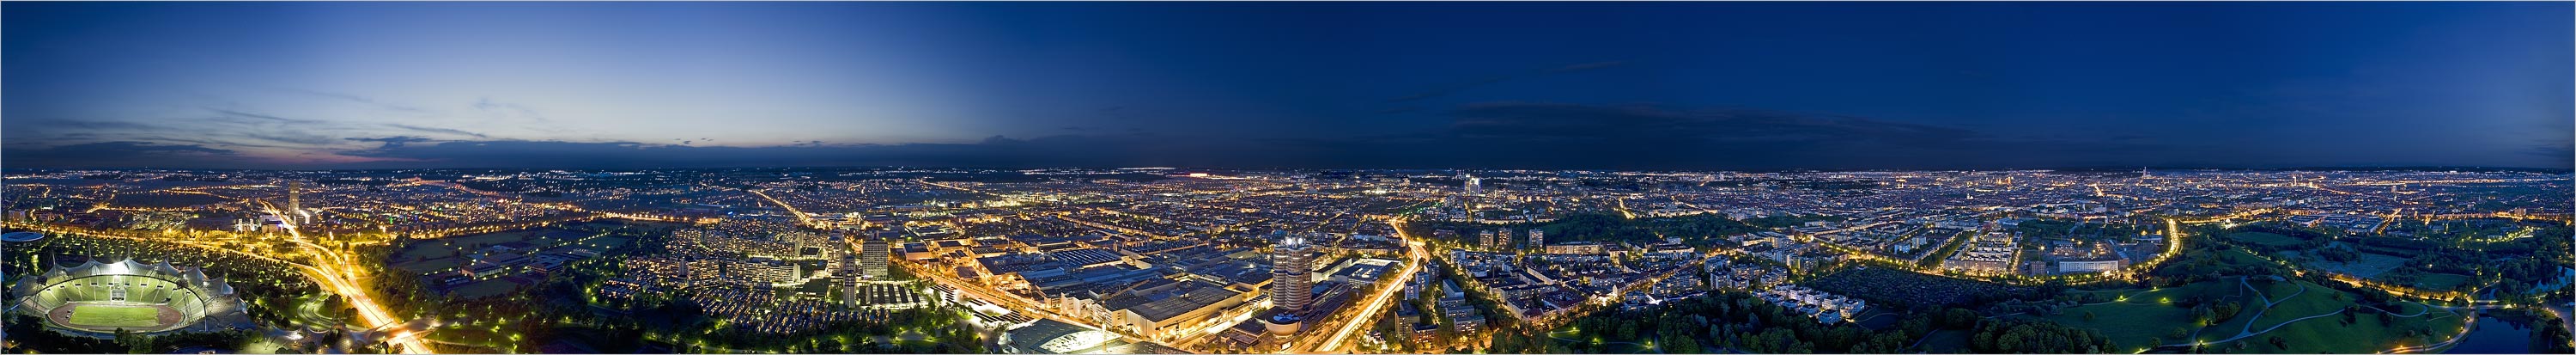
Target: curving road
x,y
1413,263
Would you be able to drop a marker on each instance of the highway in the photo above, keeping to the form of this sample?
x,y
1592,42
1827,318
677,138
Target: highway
x,y
1414,258
791,209
340,277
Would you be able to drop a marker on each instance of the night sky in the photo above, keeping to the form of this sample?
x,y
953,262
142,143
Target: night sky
x,y
1294,85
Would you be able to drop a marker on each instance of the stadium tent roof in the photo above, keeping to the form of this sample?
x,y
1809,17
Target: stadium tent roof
x,y
191,276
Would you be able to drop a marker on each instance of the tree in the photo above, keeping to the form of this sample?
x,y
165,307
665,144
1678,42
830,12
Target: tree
x,y
1678,343
1959,318
2554,338
134,343
2026,336
1506,342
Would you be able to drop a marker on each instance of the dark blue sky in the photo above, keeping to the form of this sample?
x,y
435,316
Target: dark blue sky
x,y
1512,85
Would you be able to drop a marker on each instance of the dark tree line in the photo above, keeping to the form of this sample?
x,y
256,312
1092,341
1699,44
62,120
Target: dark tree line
x,y
2021,336
1739,322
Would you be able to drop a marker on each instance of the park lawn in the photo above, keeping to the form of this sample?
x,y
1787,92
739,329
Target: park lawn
x,y
495,238
2235,257
1945,341
470,335
2129,325
2433,281
115,316
2370,265
2317,300
470,243
2214,289
2410,307
2281,291
425,250
2322,334
431,265
2438,323
2265,239
603,244
308,309
2228,328
2148,315
485,288
2365,335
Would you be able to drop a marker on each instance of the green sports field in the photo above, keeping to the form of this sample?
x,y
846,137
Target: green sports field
x,y
115,316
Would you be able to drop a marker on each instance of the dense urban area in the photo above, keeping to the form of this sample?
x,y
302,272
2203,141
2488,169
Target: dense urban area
x,y
1169,261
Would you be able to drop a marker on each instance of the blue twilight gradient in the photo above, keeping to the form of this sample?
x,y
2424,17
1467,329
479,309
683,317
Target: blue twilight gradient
x,y
1627,85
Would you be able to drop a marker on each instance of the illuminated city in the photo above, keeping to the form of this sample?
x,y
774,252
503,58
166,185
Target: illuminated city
x,y
1148,260
1091,178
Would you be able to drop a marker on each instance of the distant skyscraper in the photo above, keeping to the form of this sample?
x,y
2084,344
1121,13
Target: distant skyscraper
x,y
872,258
1485,239
1538,238
294,204
1504,240
1475,186
1289,284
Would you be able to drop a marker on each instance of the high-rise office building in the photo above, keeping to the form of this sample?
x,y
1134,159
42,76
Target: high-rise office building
x,y
872,258
1538,239
294,204
1289,265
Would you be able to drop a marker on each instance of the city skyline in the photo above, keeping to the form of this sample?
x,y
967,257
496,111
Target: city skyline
x,y
1641,86
1167,261
561,177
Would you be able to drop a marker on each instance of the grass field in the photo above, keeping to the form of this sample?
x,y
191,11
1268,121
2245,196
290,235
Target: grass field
x,y
2144,318
115,316
2370,265
1944,341
485,288
444,254
602,243
2266,239
2235,257
2314,300
2329,334
430,265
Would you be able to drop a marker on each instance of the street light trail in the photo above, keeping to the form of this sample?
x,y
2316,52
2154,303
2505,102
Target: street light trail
x,y
374,314
791,209
1414,254
338,279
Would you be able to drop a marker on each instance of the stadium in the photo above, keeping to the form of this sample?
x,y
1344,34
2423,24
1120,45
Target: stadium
x,y
126,295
